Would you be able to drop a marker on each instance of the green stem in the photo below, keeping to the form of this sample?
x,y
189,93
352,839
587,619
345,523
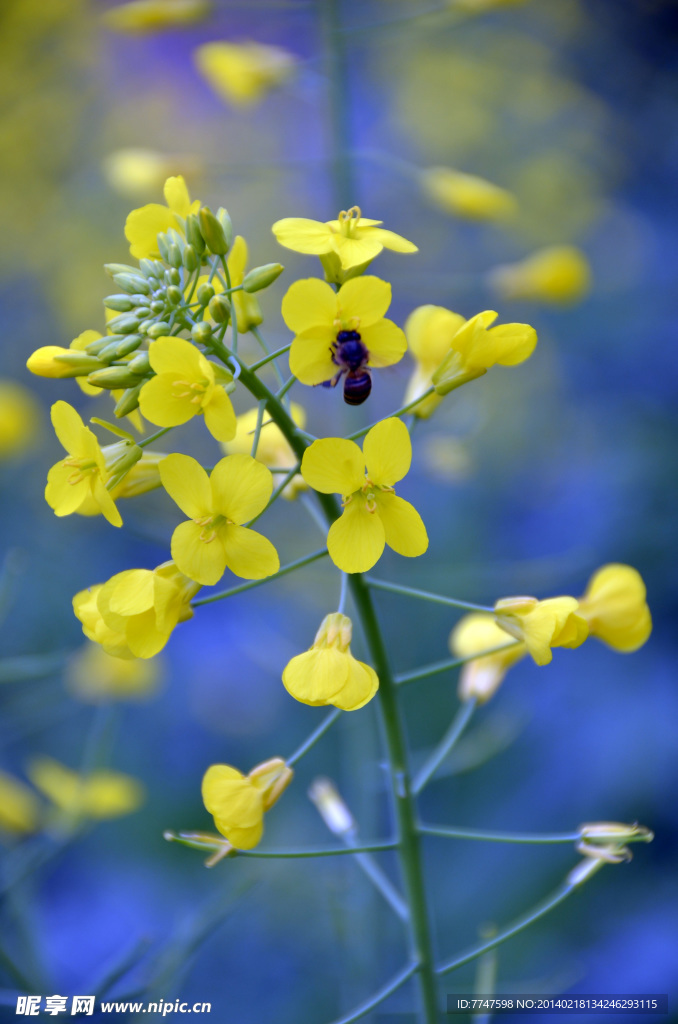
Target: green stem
x,y
286,387
257,429
154,437
311,740
459,723
234,315
222,595
388,989
424,595
391,415
542,838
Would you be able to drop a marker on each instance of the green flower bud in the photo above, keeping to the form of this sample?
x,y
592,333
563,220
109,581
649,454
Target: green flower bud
x,y
119,303
174,256
125,324
150,267
74,363
220,309
163,246
224,219
145,325
158,330
95,347
190,258
213,232
173,276
128,401
140,365
157,306
130,344
201,333
262,277
132,283
194,235
174,295
204,294
112,269
113,377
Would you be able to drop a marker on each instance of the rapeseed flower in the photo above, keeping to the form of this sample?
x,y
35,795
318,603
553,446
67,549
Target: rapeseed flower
x,y
98,795
214,539
20,417
615,608
541,625
429,331
557,275
466,195
186,385
373,515
481,677
143,226
142,477
477,346
238,802
140,16
328,673
273,449
96,677
19,807
341,333
243,73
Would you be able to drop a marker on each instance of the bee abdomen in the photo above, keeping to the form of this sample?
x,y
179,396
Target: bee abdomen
x,y
357,387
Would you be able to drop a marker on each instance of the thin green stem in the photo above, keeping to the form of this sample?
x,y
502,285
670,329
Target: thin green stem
x,y
257,429
424,595
154,437
444,666
457,726
540,838
379,880
286,387
311,740
234,315
343,593
222,595
387,990
200,841
399,412
270,356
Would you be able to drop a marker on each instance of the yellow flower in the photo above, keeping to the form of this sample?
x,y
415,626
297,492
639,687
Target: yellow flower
x,y
466,195
482,677
273,448
373,515
142,477
19,807
98,795
353,239
139,16
143,226
214,539
476,347
243,73
541,625
238,802
615,608
429,331
138,172
246,306
341,333
81,478
558,274
186,384
134,613
328,673
95,676
20,417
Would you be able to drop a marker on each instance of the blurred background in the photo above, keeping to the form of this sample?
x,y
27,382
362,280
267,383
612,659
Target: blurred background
x,y
528,480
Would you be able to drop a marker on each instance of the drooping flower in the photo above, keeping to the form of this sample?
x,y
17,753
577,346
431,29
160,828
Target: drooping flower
x,y
247,309
328,673
615,608
243,73
214,538
20,418
373,515
482,677
143,226
140,16
341,333
238,802
556,275
19,807
429,331
541,625
98,795
351,238
273,449
477,346
466,195
96,677
186,385
134,613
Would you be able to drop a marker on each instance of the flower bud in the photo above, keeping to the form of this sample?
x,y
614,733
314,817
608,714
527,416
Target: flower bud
x,y
332,808
132,283
125,324
204,294
163,246
174,295
128,401
149,267
113,269
119,303
130,344
157,306
172,276
220,309
113,377
202,333
53,361
190,258
262,277
194,235
174,257
140,364
213,232
158,330
224,218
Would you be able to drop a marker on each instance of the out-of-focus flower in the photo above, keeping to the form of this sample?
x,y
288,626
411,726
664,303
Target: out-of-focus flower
x,y
481,677
541,625
447,458
476,347
615,608
429,331
98,795
19,807
328,673
243,73
238,802
466,195
141,16
273,448
480,6
373,515
19,418
214,539
134,613
138,172
353,239
246,306
556,275
96,677
143,226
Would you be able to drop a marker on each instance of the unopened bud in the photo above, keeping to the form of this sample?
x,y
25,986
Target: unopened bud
x,y
190,258
202,333
140,364
174,294
204,294
331,807
130,344
158,330
220,309
119,303
113,269
125,324
163,246
132,283
172,276
157,306
194,235
213,232
53,361
174,256
113,377
224,218
262,277
128,401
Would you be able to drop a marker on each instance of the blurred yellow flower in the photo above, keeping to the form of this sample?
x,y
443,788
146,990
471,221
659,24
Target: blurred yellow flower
x,y
480,6
273,448
466,195
238,802
243,73
615,608
429,331
352,238
557,275
481,677
143,226
541,625
328,673
476,347
138,172
19,807
186,384
246,306
373,515
214,539
99,795
140,16
96,677
20,417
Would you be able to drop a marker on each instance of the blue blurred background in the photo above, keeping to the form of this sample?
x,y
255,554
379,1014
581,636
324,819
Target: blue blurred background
x,y
528,480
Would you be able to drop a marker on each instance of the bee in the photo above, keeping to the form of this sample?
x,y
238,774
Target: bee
x,y
357,386
351,356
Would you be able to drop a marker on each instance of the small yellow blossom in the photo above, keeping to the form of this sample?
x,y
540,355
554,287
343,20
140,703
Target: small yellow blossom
x,y
214,539
466,195
142,477
373,515
481,677
140,16
541,625
429,331
134,613
186,384
273,449
19,807
328,673
615,608
96,677
556,275
20,417
143,226
353,239
341,333
243,73
238,802
477,346
101,794
247,309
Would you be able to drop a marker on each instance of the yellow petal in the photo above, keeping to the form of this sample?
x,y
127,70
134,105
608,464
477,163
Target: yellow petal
x,y
176,196
63,497
303,235
241,838
311,356
403,526
356,540
187,484
309,303
68,427
237,260
241,487
360,687
202,561
353,252
105,502
429,331
131,592
333,465
178,356
387,450
160,405
512,343
390,240
385,343
144,637
615,607
230,796
219,415
248,553
142,228
317,675
365,298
